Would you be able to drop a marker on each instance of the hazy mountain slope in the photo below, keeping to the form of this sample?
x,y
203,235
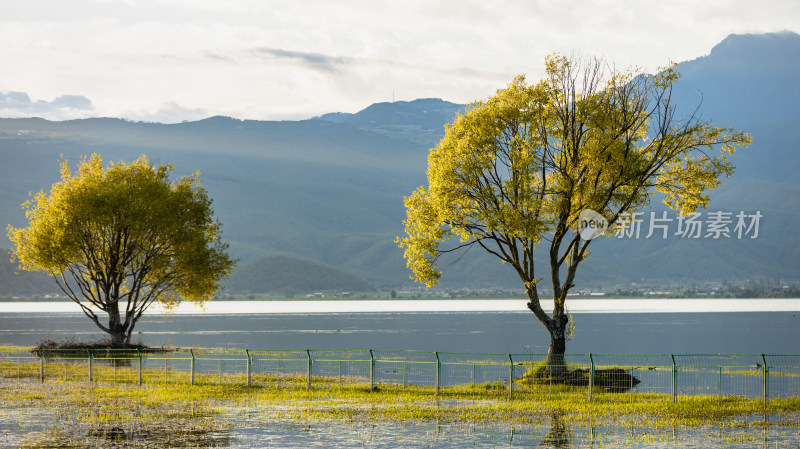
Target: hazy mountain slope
x,y
271,191
752,82
419,121
291,276
748,78
14,282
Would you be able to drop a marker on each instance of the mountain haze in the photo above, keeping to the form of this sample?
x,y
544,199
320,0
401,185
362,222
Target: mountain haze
x,y
291,276
328,192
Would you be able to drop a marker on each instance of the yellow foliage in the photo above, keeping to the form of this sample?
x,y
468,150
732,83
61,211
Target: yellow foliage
x,y
124,232
522,164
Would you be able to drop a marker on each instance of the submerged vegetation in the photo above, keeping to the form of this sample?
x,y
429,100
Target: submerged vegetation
x,y
170,412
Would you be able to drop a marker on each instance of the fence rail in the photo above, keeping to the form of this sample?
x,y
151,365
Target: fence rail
x,y
656,376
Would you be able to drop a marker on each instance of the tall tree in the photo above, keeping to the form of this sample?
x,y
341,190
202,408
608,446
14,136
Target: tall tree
x,y
518,168
118,239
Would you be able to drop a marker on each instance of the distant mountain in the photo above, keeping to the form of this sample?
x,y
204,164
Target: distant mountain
x,y
746,78
329,191
312,189
420,121
424,113
15,282
292,276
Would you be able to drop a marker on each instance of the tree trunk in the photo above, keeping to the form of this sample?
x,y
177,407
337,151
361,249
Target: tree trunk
x,y
118,338
557,327
116,329
556,365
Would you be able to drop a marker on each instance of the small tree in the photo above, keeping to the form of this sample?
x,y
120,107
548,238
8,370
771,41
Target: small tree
x,y
519,168
120,238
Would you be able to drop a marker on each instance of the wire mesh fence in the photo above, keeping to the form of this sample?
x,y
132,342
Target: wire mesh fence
x,y
783,379
277,367
610,376
404,368
473,369
534,375
111,365
643,373
217,366
721,374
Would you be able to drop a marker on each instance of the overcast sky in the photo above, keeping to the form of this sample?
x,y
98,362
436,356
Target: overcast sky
x,y
174,60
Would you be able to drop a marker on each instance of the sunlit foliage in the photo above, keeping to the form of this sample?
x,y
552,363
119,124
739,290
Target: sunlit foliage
x,y
519,167
121,237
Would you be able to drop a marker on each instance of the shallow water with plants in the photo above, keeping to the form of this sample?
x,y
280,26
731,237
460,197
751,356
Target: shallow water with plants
x,y
285,413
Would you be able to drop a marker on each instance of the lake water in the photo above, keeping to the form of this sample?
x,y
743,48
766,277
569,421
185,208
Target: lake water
x,y
497,326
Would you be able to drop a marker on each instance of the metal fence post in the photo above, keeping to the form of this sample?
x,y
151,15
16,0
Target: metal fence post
x,y
139,353
674,380
246,351
473,377
591,376
436,354
308,379
191,367
371,371
766,381
631,371
91,376
41,366
510,377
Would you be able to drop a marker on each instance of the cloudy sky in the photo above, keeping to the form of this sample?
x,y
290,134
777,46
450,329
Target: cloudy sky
x,y
174,60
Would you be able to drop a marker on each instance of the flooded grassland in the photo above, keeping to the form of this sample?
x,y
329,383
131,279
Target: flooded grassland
x,y
283,412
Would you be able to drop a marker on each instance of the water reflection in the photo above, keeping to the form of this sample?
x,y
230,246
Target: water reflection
x,y
35,427
263,427
115,435
558,437
547,433
555,432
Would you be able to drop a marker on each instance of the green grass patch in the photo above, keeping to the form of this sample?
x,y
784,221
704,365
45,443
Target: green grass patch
x,y
612,379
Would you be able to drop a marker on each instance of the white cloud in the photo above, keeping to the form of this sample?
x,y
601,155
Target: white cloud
x,y
290,59
65,107
168,113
